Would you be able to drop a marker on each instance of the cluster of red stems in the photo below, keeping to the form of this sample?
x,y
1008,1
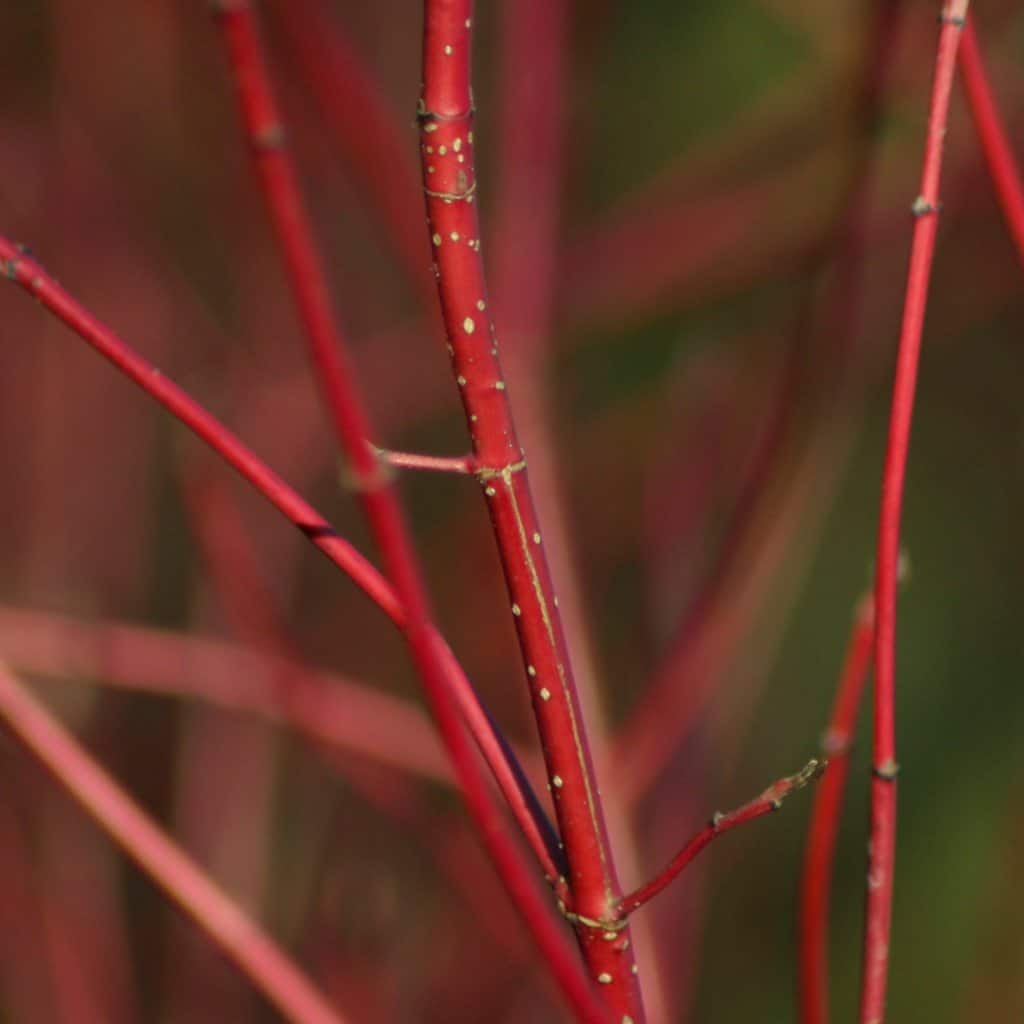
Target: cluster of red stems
x,y
598,976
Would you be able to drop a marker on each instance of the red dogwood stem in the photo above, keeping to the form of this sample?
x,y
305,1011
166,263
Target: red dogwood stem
x,y
449,177
770,800
882,850
823,830
17,266
1002,165
241,939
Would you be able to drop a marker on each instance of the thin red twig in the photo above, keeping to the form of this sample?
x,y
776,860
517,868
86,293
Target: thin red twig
x,y
1002,165
450,184
823,829
770,800
255,953
882,849
457,464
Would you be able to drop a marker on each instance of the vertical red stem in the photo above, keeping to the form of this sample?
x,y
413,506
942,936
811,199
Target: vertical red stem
x,y
447,147
1002,165
816,880
882,849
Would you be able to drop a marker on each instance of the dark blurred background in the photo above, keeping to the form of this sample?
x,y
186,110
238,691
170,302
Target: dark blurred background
x,y
697,219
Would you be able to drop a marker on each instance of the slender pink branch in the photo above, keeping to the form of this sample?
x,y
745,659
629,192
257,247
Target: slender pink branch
x,y
328,709
770,800
255,953
364,128
823,829
1002,165
882,849
457,464
449,178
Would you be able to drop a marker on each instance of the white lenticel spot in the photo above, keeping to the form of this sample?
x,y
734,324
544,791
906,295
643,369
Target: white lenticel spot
x,y
447,51
435,238
531,671
468,326
516,610
545,693
481,305
604,978
556,781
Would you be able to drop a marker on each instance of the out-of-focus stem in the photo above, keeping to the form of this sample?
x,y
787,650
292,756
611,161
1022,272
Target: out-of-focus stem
x,y
327,709
823,829
266,965
1002,165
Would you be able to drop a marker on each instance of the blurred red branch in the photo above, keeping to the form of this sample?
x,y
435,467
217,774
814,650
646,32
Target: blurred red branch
x,y
1002,165
330,709
265,964
363,128
823,829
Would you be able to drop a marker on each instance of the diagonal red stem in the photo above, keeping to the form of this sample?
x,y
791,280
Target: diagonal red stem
x,y
1002,165
768,801
255,953
17,266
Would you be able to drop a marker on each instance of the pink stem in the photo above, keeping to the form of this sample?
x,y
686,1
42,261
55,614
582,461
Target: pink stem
x,y
325,708
995,145
823,830
881,858
255,953
363,127
457,464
